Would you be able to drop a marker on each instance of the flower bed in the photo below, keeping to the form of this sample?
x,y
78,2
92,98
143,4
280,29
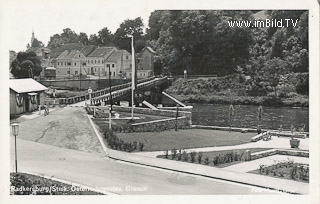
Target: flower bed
x,y
215,158
286,170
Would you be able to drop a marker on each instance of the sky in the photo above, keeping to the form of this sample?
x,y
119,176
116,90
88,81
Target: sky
x,y
47,18
18,18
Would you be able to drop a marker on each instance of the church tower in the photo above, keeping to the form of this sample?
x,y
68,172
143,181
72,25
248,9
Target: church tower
x,y
32,37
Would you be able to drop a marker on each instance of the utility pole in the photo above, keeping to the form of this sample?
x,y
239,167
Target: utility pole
x,y
110,91
80,75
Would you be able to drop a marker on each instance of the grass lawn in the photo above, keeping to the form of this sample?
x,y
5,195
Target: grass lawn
x,y
104,123
284,170
24,184
184,139
213,154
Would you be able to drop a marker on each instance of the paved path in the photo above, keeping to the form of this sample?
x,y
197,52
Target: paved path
x,y
275,142
65,127
118,177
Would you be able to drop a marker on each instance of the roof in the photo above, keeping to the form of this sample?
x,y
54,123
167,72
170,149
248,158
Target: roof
x,y
149,48
68,54
86,50
55,52
116,55
139,55
102,51
25,85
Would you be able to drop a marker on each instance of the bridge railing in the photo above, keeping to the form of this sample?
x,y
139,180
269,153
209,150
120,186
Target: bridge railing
x,y
116,94
83,97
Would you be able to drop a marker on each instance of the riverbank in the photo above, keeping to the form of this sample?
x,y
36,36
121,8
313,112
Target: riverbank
x,y
297,101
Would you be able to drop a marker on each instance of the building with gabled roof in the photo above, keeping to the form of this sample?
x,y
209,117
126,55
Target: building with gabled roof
x,y
120,63
70,63
96,61
145,62
25,95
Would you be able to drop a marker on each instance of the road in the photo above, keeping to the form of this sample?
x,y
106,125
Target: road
x,y
118,177
64,145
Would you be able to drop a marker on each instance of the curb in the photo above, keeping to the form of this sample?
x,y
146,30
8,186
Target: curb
x,y
145,161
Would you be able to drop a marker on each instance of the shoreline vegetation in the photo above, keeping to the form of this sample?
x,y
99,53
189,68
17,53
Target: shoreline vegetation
x,y
237,90
209,98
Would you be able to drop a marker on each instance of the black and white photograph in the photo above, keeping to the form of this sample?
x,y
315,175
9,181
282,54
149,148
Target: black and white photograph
x,y
106,99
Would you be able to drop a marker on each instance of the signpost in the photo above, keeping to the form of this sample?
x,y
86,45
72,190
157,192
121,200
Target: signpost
x,y
90,92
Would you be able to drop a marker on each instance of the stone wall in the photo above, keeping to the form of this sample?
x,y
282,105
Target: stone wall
x,y
271,152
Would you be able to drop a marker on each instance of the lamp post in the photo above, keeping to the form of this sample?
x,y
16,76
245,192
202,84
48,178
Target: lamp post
x,y
15,132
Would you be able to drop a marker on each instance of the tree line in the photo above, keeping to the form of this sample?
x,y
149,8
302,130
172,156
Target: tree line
x,y
202,42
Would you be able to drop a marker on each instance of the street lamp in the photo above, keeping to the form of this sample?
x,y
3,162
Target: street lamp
x,y
15,132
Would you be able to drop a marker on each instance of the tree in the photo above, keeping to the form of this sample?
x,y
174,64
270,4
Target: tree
x,y
105,37
67,36
94,40
127,28
273,71
83,38
26,65
36,43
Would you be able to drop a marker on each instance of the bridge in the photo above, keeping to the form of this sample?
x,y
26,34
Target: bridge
x,y
120,93
117,92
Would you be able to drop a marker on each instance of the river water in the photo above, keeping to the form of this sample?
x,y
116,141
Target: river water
x,y
246,116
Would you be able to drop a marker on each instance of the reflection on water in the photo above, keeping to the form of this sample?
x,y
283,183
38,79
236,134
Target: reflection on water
x,y
246,116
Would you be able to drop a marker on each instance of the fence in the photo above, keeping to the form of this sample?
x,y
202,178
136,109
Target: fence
x,y
101,92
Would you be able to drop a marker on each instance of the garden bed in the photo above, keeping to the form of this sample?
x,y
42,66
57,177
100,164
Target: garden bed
x,y
186,139
27,184
285,170
218,159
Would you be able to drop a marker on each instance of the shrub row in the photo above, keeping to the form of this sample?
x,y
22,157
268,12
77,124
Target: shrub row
x,y
117,144
182,155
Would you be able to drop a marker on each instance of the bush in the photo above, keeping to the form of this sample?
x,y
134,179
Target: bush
x,y
141,146
302,86
173,153
199,157
166,154
206,160
185,155
193,156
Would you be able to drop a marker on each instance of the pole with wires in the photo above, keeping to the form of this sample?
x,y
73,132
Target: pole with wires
x,y
133,78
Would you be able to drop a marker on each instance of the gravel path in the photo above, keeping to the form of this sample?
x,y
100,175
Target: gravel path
x,y
67,127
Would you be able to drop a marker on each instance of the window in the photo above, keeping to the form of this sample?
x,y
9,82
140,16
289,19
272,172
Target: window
x,y
98,61
91,61
75,64
114,73
95,61
127,57
130,66
108,65
112,65
68,72
79,55
69,63
76,72
58,63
